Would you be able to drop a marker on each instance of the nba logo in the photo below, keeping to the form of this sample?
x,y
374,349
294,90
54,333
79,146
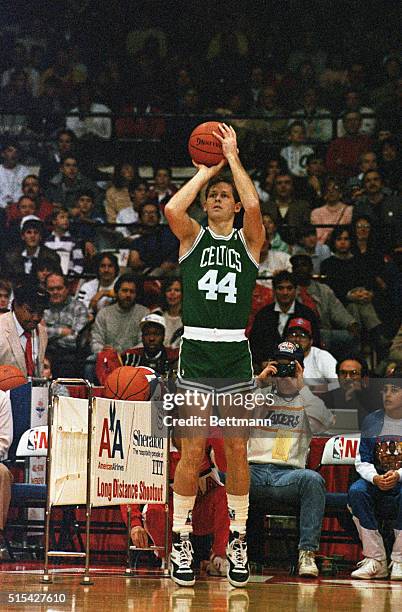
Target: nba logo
x,y
337,450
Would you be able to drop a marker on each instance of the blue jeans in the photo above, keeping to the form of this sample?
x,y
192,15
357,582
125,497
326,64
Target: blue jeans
x,y
302,487
366,499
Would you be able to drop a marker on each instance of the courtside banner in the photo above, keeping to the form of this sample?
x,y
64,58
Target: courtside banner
x,y
69,451
129,454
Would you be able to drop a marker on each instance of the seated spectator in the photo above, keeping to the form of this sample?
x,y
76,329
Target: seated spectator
x,y
163,188
339,331
275,240
99,292
390,162
49,112
288,213
24,258
295,155
316,125
16,104
268,110
45,267
61,241
65,318
308,245
6,438
139,121
139,194
379,465
311,187
355,391
319,365
334,212
152,353
171,307
271,262
33,203
23,208
23,337
389,113
265,180
157,249
117,326
50,163
85,222
353,103
384,210
5,295
269,326
343,153
277,468
20,63
69,182
81,119
366,249
353,285
12,173
117,195
354,188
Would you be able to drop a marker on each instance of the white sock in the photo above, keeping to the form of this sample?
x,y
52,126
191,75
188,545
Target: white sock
x,y
182,510
238,512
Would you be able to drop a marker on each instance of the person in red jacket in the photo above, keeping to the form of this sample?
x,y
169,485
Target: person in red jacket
x,y
343,154
210,512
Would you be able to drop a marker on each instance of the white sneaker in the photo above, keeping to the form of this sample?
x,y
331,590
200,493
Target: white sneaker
x,y
238,572
307,566
396,570
217,566
181,559
371,568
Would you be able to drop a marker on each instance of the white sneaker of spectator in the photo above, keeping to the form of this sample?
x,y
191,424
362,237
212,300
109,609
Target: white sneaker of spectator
x,y
307,565
396,570
371,568
217,566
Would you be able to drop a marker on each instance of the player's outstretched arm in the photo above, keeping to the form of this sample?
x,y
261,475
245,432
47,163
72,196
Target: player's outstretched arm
x,y
253,228
182,225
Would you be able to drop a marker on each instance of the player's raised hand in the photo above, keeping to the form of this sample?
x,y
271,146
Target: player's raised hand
x,y
227,137
210,171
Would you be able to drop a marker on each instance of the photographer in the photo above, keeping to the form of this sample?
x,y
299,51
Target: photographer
x,y
277,454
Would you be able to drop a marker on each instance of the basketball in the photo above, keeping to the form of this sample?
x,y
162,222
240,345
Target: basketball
x,y
11,377
129,383
203,147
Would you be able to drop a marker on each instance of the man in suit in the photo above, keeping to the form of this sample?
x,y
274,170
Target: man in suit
x,y
270,323
24,258
23,340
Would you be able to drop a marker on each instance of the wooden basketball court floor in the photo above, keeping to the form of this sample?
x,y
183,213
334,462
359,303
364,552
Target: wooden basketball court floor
x,y
112,591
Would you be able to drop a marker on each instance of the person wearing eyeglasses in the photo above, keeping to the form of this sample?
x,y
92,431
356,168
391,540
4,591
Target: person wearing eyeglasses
x,y
319,365
356,390
334,211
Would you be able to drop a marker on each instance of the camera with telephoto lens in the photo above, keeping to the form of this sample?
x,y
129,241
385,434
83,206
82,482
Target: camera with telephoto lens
x,y
285,370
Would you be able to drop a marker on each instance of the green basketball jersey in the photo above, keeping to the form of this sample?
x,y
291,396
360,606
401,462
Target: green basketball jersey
x,y
218,275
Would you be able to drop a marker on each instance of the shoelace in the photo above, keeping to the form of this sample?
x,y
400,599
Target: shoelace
x,y
369,563
239,553
186,554
306,558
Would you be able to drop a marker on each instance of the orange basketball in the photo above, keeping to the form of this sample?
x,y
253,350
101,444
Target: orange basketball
x,y
203,147
129,383
11,377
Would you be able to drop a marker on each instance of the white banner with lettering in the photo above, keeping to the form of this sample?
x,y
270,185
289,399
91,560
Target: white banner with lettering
x,y
128,459
37,465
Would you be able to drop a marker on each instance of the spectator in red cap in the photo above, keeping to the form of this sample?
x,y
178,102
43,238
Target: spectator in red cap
x,y
319,365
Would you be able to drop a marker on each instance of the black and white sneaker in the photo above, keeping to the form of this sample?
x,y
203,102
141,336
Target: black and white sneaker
x,y
238,572
181,559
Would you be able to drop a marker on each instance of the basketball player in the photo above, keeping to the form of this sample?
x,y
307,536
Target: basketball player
x,y
219,265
